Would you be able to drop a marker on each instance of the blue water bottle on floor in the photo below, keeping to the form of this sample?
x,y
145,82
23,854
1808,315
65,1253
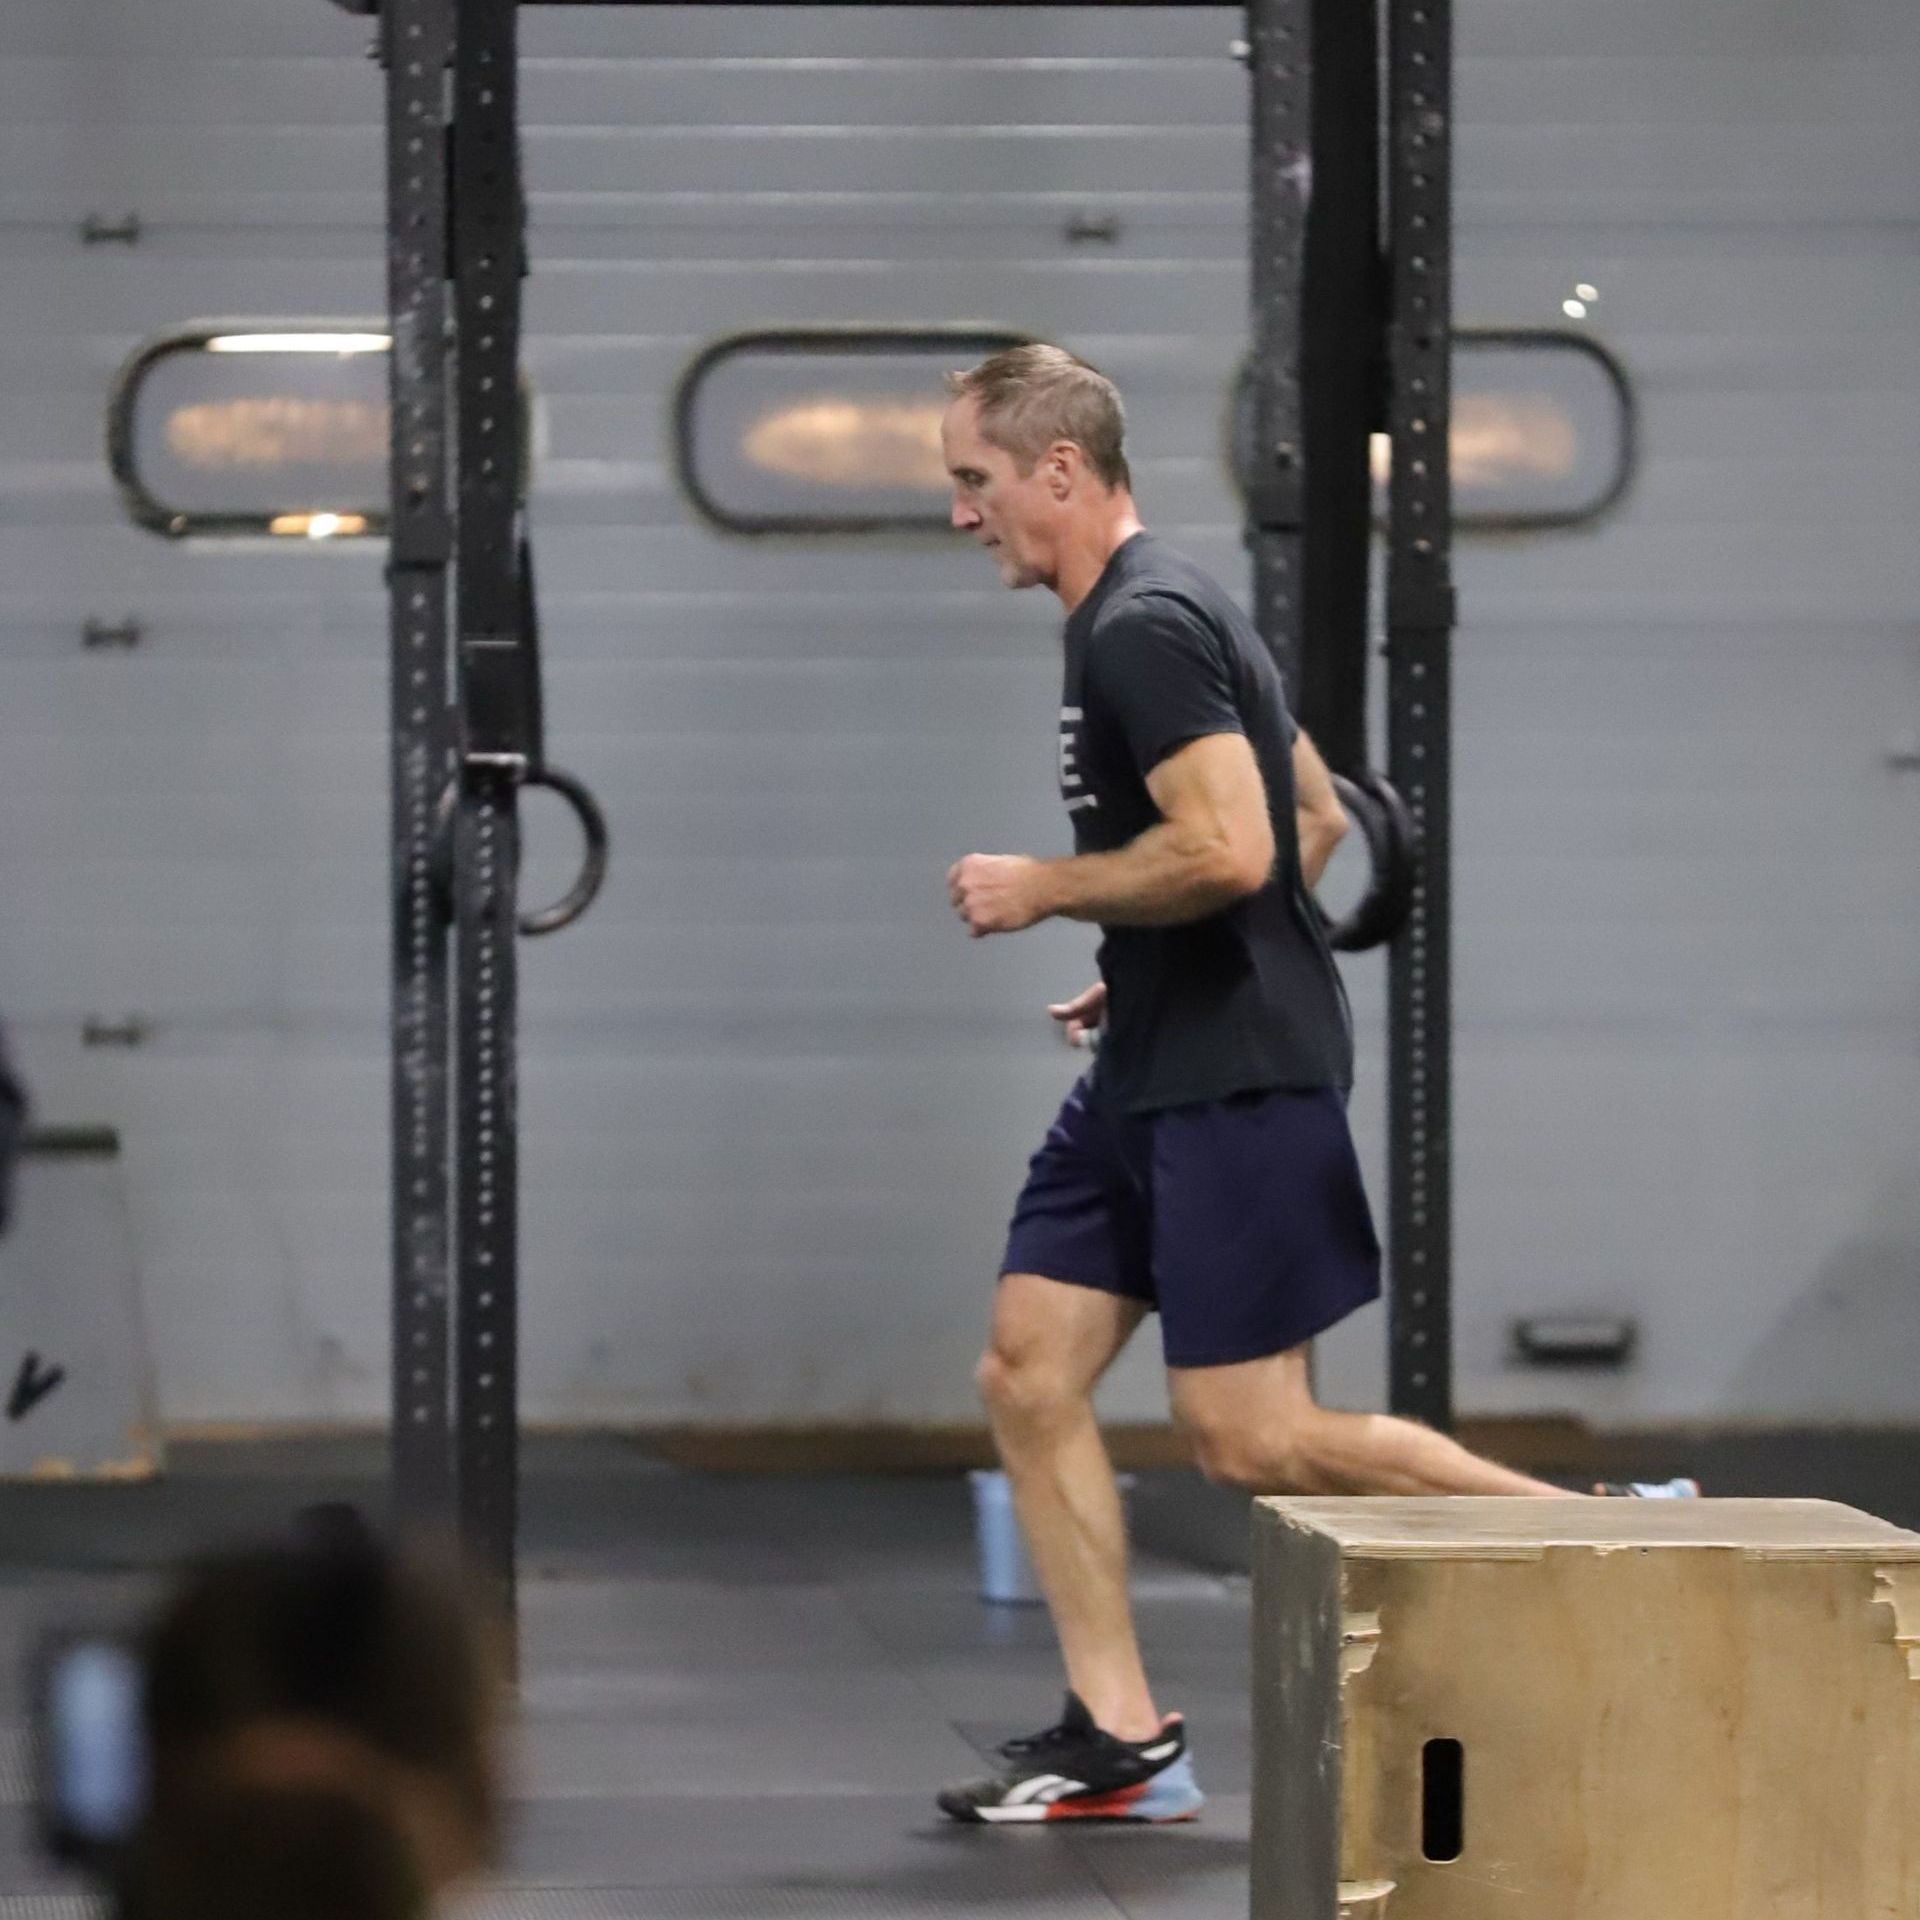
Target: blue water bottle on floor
x,y
1006,1575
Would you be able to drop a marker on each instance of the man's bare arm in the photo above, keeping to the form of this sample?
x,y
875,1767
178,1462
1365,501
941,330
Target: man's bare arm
x,y
1319,818
1213,846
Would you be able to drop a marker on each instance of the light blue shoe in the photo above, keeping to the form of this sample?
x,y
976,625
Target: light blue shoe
x,y
1172,1795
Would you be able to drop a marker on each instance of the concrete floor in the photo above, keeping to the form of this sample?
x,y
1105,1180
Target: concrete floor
x,y
739,1695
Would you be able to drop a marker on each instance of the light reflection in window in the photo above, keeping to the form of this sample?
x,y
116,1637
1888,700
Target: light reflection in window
x,y
274,431
823,430
1542,431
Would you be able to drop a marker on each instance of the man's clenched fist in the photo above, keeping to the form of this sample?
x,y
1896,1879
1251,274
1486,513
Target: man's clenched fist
x,y
998,892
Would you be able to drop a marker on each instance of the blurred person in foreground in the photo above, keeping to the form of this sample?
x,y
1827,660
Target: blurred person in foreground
x,y
322,1722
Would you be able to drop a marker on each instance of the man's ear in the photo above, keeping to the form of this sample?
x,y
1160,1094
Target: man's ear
x,y
1064,464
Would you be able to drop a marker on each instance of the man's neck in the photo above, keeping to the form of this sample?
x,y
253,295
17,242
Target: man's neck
x,y
1085,557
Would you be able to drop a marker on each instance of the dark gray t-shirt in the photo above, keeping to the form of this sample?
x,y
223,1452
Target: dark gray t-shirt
x,y
1157,655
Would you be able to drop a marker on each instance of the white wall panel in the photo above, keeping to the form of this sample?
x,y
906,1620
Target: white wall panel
x,y
774,1106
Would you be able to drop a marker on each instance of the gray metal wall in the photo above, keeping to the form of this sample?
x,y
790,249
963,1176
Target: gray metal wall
x,y
775,1104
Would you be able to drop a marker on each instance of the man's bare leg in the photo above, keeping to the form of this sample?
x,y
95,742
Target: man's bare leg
x,y
1257,1425
1051,1343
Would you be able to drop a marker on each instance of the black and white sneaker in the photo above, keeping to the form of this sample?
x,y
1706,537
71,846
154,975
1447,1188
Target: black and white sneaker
x,y
1075,1771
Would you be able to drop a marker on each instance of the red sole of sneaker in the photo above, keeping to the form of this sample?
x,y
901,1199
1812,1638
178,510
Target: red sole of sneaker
x,y
1038,1817
1117,1806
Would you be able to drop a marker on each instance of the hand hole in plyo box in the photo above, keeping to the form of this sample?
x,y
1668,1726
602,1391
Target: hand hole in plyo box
x,y
1443,1800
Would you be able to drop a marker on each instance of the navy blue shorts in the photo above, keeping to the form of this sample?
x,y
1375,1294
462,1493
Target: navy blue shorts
x,y
1243,1221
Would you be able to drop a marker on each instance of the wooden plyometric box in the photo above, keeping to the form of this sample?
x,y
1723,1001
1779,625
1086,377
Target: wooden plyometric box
x,y
1585,1710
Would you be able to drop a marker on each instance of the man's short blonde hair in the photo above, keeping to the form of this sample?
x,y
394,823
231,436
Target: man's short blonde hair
x,y
1028,397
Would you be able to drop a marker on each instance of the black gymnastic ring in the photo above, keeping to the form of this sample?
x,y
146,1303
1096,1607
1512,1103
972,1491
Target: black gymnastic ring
x,y
1393,850
593,869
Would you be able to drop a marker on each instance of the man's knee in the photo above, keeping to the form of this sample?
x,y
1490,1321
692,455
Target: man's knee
x,y
1017,1384
1273,1456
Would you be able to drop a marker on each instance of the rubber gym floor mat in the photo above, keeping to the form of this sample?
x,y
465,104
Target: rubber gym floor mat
x,y
739,1696
894,1839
